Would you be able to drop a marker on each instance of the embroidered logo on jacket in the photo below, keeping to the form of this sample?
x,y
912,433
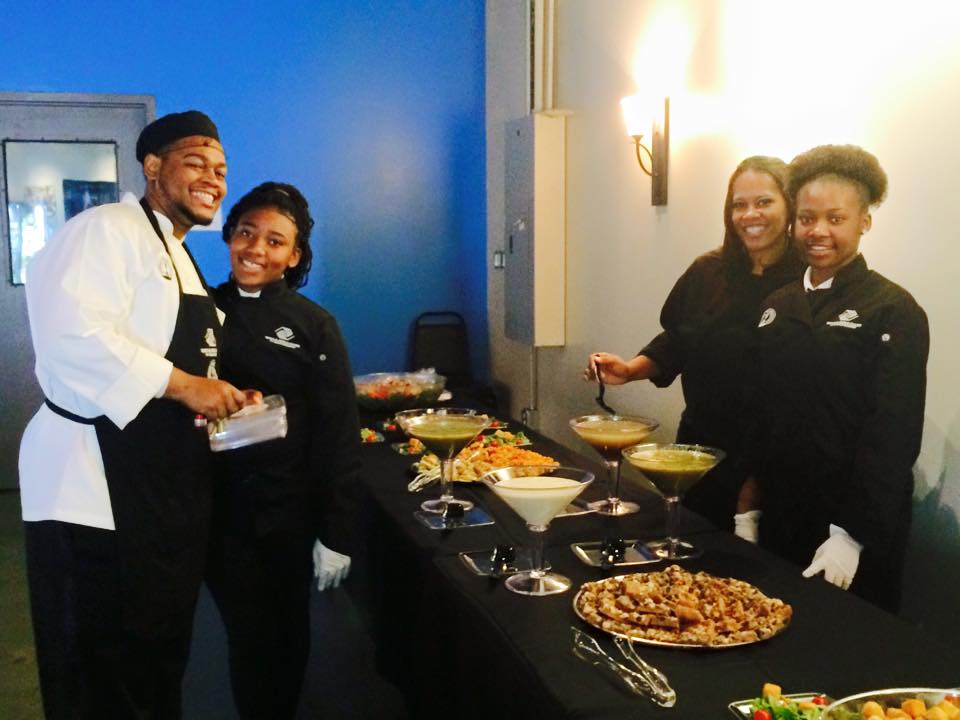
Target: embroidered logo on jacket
x,y
211,339
284,337
845,319
165,268
769,315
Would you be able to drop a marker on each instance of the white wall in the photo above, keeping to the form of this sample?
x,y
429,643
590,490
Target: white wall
x,y
744,77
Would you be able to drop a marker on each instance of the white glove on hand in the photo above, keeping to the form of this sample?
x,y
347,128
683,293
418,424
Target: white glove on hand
x,y
329,566
747,525
837,558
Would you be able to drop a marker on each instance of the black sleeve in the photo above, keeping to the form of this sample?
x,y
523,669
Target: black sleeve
x,y
753,436
335,445
666,349
889,442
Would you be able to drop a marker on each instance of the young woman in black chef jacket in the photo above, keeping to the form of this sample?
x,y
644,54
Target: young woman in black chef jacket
x,y
274,499
840,390
708,320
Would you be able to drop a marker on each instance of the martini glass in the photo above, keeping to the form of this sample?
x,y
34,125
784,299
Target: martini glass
x,y
673,469
609,435
445,432
537,493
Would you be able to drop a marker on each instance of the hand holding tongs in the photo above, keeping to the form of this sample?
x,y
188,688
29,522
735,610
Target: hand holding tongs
x,y
646,680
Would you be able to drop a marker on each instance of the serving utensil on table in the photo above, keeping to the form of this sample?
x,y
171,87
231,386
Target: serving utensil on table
x,y
654,675
646,680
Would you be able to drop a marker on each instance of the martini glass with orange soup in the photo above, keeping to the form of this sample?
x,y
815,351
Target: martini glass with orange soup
x,y
609,435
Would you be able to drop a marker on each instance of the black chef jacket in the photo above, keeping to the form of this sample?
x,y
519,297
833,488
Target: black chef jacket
x,y
708,323
839,406
283,343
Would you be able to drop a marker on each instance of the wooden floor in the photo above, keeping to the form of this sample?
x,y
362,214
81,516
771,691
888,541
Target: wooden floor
x,y
341,680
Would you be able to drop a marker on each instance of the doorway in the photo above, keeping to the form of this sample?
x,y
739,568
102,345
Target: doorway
x,y
50,118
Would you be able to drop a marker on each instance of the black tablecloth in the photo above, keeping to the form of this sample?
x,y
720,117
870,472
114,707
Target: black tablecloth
x,y
461,645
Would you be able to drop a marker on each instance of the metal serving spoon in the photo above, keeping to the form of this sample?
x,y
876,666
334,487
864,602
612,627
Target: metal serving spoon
x,y
600,391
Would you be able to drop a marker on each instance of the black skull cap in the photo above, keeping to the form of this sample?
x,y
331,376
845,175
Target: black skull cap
x,y
170,128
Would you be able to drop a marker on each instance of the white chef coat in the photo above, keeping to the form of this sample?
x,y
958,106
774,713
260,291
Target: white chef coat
x,y
103,301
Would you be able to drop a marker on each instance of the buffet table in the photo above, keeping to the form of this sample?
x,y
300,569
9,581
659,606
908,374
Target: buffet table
x,y
461,645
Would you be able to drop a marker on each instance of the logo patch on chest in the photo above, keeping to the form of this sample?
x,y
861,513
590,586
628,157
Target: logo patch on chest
x,y
284,337
845,319
210,339
165,267
769,315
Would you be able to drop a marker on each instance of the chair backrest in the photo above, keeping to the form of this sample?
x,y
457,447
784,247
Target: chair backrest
x,y
439,340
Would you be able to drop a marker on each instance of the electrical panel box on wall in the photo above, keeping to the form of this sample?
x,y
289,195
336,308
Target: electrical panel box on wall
x,y
535,233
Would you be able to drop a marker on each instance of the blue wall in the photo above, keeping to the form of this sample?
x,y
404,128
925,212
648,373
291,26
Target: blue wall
x,y
374,109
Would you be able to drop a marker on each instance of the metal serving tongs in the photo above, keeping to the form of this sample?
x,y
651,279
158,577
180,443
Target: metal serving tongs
x,y
667,696
646,681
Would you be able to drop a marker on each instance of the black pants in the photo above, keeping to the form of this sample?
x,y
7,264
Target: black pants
x,y
261,585
90,666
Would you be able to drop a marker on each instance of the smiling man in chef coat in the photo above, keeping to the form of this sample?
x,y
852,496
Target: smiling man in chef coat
x,y
114,474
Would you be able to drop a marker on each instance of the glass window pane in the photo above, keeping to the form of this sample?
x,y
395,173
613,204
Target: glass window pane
x,y
47,184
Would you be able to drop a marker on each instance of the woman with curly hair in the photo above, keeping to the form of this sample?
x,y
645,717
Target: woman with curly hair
x,y
708,319
840,390
275,498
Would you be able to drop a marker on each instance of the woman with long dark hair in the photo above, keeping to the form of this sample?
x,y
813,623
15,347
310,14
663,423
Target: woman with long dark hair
x,y
708,320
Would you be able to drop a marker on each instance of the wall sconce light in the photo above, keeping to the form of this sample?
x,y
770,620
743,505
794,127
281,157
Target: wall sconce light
x,y
638,118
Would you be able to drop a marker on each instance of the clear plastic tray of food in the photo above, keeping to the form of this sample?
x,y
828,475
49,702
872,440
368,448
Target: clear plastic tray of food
x,y
253,424
389,392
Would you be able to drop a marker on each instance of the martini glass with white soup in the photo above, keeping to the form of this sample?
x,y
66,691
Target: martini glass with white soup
x,y
609,435
537,493
673,469
445,432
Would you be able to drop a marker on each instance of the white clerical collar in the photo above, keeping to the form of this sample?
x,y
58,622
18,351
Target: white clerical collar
x,y
243,293
808,283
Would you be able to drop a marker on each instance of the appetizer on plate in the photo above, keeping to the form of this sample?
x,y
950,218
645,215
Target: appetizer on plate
x,y
683,609
774,705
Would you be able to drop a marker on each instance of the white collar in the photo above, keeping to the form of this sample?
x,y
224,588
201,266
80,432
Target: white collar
x,y
243,293
808,283
166,225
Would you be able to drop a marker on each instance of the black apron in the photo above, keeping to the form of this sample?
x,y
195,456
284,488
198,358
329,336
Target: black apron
x,y
159,475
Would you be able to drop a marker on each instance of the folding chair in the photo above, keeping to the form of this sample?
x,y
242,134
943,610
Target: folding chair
x,y
439,340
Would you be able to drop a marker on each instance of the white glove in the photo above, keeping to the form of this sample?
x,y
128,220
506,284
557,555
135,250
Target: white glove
x,y
329,566
747,525
837,558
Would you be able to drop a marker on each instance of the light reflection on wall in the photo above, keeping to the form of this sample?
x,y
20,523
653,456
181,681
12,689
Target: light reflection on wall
x,y
779,77
661,58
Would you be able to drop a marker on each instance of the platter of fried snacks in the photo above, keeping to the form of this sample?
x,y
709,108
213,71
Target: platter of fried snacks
x,y
677,608
480,457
